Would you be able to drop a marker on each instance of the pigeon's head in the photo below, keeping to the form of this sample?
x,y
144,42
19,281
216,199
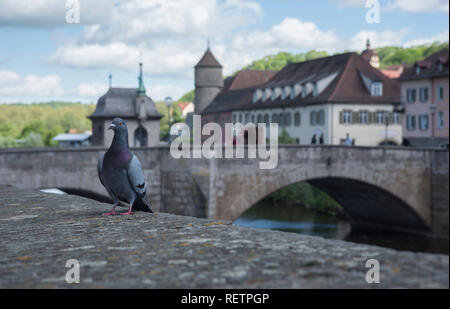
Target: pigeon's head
x,y
118,125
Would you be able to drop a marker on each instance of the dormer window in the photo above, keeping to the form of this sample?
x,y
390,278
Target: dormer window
x,y
267,94
286,92
276,93
417,70
303,90
257,95
295,90
377,89
315,89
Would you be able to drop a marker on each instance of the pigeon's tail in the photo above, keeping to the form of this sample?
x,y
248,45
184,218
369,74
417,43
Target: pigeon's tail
x,y
142,205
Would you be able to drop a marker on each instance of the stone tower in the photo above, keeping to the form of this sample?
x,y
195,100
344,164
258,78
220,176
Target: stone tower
x,y
135,107
371,56
208,81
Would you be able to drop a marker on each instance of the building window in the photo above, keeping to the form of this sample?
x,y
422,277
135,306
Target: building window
x,y
440,120
297,119
234,118
287,119
364,117
396,117
377,89
312,118
240,118
423,122
411,122
266,119
440,92
315,89
253,118
281,120
274,118
140,137
346,117
380,117
417,70
320,117
303,90
423,94
259,119
410,95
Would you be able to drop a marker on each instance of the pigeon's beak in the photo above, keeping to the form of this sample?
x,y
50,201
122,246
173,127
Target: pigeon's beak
x,y
111,126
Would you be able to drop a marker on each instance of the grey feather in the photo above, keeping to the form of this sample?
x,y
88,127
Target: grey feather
x,y
99,168
137,181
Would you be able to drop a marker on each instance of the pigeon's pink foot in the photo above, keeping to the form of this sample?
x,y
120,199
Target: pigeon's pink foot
x,y
111,213
127,213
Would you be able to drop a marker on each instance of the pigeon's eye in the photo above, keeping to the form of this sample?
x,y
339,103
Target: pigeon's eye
x,y
120,123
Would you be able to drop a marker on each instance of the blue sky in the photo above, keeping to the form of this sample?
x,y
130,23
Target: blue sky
x,y
44,58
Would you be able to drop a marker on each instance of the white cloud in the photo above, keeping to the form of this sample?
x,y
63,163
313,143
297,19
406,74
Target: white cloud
x,y
410,6
292,34
440,37
137,20
170,34
159,91
49,13
377,38
351,3
92,91
13,85
419,6
169,60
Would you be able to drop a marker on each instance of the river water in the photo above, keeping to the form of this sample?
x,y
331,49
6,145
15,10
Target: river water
x,y
295,219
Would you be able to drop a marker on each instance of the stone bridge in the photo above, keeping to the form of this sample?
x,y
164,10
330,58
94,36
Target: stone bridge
x,y
390,188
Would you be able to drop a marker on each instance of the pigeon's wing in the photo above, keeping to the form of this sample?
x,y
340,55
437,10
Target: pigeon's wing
x,y
137,182
99,168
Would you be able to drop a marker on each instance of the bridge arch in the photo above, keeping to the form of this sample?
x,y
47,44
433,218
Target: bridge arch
x,y
366,198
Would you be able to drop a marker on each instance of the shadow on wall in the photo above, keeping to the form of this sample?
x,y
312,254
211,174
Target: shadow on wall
x,y
88,194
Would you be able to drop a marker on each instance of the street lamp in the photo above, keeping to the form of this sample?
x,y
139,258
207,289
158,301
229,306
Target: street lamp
x,y
432,109
168,104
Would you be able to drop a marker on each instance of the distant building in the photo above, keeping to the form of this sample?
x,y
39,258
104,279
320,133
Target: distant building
x,y
236,88
132,105
185,108
328,97
424,90
371,56
208,80
73,139
393,71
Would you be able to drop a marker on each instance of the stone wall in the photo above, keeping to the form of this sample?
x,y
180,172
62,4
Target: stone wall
x,y
391,188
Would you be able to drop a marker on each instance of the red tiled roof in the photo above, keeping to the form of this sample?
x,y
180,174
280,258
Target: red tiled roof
x,y
346,87
183,105
429,67
391,73
249,78
208,60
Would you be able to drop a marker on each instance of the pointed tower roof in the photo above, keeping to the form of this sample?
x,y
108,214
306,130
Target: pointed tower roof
x,y
208,60
141,89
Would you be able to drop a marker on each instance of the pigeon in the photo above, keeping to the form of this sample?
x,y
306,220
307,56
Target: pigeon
x,y
120,172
